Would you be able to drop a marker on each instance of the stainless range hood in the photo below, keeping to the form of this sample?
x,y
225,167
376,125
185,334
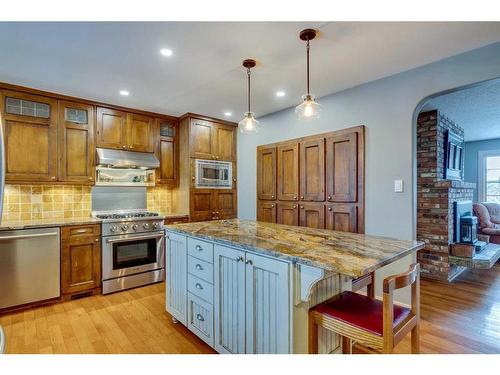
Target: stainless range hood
x,y
126,159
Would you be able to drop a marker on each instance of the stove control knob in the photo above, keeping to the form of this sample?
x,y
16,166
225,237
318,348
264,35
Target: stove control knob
x,y
135,226
145,226
155,225
124,227
113,229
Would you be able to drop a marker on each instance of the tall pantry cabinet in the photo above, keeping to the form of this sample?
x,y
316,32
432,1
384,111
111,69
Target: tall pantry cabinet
x,y
315,181
206,138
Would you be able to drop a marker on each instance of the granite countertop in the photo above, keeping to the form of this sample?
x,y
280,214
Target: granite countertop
x,y
350,254
50,222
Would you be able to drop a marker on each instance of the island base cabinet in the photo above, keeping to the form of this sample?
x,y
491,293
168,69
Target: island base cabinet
x,y
200,319
229,300
267,305
251,303
176,284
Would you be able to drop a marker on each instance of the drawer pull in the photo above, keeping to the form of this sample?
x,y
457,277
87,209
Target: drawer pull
x,y
199,267
199,248
239,259
249,261
198,286
80,231
200,317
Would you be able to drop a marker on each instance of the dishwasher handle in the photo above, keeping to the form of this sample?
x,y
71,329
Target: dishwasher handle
x,y
27,236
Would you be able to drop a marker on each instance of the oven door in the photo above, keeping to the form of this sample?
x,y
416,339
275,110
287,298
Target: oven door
x,y
130,254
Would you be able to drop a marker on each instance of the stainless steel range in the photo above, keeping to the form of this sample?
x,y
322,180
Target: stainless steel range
x,y
133,249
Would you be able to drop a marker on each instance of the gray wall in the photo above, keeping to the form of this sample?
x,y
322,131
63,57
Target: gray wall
x,y
471,154
387,108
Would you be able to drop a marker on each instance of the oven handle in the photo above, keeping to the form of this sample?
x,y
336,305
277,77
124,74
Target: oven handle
x,y
113,240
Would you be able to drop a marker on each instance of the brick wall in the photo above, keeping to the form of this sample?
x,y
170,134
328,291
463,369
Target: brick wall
x,y
435,196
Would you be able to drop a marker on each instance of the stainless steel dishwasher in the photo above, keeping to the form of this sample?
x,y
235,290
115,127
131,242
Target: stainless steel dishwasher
x,y
29,266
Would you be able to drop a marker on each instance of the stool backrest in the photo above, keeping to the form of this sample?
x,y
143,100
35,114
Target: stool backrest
x,y
392,283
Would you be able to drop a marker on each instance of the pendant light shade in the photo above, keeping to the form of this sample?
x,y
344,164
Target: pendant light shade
x,y
309,108
249,125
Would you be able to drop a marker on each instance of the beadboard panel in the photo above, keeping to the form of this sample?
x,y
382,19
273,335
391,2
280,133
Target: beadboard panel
x,y
229,301
176,269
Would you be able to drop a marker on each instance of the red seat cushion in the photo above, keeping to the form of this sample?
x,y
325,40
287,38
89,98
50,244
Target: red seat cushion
x,y
361,311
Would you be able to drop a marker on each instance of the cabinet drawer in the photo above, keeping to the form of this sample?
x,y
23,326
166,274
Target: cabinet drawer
x,y
76,231
200,319
201,269
201,250
200,288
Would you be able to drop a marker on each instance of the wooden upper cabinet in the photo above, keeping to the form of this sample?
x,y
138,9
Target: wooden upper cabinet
x,y
266,211
288,171
287,213
30,136
111,128
212,140
266,173
342,167
124,131
167,151
76,142
312,215
342,217
139,133
312,170
202,139
224,147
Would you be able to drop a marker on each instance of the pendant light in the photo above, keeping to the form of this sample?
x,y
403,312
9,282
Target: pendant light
x,y
309,108
249,125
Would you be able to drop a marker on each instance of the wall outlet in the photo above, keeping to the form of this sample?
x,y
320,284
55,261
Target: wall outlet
x,y
398,186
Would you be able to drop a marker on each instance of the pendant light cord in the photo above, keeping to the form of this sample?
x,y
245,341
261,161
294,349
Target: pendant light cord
x,y
307,49
248,73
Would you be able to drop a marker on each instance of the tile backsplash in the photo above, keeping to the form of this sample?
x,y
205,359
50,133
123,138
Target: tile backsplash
x,y
32,202
159,198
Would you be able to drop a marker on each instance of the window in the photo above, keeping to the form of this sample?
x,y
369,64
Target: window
x,y
489,176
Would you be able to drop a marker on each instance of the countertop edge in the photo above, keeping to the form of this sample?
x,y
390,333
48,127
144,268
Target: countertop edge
x,y
296,259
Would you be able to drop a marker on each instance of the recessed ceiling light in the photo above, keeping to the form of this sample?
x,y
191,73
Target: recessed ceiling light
x,y
280,93
166,52
124,93
228,114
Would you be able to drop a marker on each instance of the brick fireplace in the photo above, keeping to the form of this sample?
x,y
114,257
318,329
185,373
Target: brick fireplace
x,y
435,196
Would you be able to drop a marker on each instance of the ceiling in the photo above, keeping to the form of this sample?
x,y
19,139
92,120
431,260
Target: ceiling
x,y
475,109
204,75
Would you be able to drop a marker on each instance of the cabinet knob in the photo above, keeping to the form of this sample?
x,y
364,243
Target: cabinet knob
x,y
295,197
272,205
158,180
239,259
199,267
124,146
200,317
97,240
301,197
329,197
213,156
329,208
130,147
198,247
91,178
193,178
249,261
302,207
198,286
294,206
53,178
272,196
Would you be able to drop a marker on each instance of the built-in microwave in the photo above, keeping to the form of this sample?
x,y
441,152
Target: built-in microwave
x,y
211,174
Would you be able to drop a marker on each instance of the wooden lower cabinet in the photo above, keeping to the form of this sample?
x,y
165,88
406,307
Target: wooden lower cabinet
x,y
287,213
312,215
266,211
80,259
212,204
342,217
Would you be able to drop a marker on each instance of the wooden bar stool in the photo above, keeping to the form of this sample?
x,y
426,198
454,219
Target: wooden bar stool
x,y
379,325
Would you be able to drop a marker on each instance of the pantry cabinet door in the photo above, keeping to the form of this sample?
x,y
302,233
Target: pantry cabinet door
x,y
342,168
266,173
30,137
266,211
76,142
312,215
312,170
288,172
288,213
176,280
342,217
229,300
267,305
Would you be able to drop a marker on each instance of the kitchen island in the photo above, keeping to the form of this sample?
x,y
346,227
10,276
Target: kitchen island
x,y
246,286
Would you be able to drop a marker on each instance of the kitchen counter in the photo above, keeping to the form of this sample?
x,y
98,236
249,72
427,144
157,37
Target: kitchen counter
x,y
346,253
43,223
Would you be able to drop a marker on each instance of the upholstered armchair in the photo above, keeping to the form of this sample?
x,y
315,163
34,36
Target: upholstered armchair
x,y
488,215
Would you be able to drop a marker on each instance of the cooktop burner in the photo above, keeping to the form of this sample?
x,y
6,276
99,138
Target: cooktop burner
x,y
126,215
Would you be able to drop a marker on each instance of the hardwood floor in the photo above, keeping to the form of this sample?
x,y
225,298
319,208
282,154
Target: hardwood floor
x,y
461,317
